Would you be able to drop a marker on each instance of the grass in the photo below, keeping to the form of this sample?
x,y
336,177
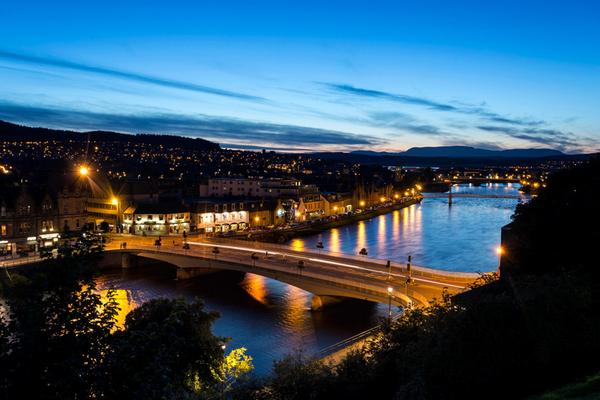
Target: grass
x,y
587,389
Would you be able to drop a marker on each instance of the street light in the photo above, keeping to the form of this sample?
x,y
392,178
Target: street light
x,y
499,251
362,203
390,291
83,170
115,202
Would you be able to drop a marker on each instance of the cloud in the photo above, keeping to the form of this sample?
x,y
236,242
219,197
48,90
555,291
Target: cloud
x,y
403,122
131,76
548,137
460,108
219,129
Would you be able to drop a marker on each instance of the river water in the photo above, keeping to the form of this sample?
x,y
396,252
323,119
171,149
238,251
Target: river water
x,y
272,319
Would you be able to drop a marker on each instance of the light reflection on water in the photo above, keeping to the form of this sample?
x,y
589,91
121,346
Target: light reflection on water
x,y
462,237
272,319
269,318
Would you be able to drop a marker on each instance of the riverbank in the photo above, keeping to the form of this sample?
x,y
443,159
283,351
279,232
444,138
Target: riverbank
x,y
285,235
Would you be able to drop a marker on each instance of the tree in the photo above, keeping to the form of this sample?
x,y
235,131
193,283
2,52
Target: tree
x,y
235,367
166,350
59,330
104,227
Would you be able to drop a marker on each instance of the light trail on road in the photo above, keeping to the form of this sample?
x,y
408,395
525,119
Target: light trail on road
x,y
319,260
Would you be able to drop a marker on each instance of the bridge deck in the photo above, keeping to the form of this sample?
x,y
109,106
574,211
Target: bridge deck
x,y
324,274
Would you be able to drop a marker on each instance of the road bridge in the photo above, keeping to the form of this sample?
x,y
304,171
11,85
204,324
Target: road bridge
x,y
471,196
330,277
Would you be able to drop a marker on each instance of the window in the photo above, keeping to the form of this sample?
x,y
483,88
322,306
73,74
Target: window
x,y
149,218
24,227
3,230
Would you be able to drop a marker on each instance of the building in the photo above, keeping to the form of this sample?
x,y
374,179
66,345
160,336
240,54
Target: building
x,y
310,206
34,218
156,219
252,187
220,215
101,210
237,214
337,203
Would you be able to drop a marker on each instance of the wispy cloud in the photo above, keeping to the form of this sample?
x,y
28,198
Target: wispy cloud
x,y
131,76
433,105
403,122
219,129
549,137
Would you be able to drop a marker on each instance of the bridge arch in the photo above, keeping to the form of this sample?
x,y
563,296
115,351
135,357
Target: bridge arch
x,y
324,292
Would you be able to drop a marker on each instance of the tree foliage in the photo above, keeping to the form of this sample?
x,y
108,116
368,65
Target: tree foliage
x,y
535,327
59,339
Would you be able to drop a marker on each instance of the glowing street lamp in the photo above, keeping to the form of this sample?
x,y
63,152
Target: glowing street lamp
x,y
115,202
382,199
390,291
83,170
499,251
362,203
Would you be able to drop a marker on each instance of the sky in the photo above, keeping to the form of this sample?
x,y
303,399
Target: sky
x,y
310,75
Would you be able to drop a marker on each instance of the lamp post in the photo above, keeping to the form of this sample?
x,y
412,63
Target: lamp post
x,y
115,202
390,291
499,251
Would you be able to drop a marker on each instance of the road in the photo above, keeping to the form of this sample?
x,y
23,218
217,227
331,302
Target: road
x,y
282,262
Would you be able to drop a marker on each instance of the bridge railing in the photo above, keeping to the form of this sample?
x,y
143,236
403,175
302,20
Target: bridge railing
x,y
371,290
454,276
359,337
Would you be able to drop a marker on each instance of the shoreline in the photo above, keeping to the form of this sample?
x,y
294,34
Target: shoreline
x,y
284,236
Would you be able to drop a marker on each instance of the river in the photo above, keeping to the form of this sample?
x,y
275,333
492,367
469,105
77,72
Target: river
x,y
272,319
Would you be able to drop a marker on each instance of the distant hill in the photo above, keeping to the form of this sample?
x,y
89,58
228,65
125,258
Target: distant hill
x,y
467,152
19,133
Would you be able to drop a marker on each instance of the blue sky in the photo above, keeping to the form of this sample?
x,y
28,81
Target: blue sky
x,y
378,75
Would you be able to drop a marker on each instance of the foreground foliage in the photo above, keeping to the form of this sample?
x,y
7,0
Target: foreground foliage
x,y
59,340
535,327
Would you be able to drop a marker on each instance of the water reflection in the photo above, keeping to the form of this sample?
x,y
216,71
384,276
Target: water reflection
x,y
269,318
462,237
273,319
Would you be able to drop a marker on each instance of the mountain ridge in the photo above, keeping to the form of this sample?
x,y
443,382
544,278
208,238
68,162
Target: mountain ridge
x,y
22,133
466,152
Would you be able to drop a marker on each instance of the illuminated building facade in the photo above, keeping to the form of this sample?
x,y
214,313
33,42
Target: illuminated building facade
x,y
156,219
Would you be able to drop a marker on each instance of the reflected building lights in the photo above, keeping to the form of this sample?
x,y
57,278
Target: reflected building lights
x,y
381,232
361,237
334,241
256,288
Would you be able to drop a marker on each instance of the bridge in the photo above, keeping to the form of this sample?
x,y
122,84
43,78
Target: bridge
x,y
329,277
471,196
472,179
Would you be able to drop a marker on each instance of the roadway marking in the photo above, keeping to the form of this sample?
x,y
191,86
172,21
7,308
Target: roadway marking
x,y
248,249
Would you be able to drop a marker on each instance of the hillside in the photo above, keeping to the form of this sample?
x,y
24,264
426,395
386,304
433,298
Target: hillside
x,y
12,132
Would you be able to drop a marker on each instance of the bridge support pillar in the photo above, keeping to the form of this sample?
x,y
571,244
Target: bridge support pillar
x,y
318,302
128,260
